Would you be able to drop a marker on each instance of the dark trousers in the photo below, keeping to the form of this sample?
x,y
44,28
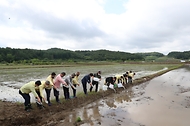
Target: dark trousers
x,y
66,92
96,84
109,80
38,92
48,92
130,80
26,98
120,81
84,87
39,105
56,94
74,90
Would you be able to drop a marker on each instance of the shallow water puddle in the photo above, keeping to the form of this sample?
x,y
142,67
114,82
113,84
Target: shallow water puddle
x,y
163,101
167,105
10,94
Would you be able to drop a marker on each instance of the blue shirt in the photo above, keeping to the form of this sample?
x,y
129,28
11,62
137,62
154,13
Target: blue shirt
x,y
86,79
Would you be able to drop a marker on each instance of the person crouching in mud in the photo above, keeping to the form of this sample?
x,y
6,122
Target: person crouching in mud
x,y
26,89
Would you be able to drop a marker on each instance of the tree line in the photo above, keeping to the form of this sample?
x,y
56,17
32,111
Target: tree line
x,y
9,55
52,55
180,55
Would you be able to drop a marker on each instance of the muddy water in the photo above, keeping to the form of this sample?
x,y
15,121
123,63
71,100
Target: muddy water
x,y
163,101
12,79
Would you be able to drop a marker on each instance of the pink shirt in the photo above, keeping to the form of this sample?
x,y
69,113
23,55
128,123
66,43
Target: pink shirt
x,y
58,80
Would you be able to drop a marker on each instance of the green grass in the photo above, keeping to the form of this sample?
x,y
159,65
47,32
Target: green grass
x,y
78,119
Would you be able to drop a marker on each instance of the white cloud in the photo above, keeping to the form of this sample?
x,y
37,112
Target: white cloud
x,y
145,26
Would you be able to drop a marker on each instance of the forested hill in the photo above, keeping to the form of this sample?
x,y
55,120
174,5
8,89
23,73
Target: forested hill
x,y
156,54
9,55
180,55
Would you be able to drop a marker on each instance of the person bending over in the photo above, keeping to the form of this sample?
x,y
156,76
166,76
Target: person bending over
x,y
87,79
26,89
50,78
96,82
75,82
110,80
68,80
57,82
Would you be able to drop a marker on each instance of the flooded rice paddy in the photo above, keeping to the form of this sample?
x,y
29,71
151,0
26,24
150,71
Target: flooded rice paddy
x,y
12,79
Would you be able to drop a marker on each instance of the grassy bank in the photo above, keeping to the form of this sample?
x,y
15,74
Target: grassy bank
x,y
71,64
64,64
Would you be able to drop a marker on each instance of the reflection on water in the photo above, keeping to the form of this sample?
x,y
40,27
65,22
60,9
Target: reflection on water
x,y
110,103
91,113
121,98
162,103
107,111
124,98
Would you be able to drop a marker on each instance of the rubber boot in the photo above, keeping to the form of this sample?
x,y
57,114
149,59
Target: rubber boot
x,y
57,99
27,108
30,106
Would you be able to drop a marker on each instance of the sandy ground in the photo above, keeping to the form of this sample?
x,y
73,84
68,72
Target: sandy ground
x,y
164,100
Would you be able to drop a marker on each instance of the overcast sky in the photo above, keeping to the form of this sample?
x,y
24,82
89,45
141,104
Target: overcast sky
x,y
116,25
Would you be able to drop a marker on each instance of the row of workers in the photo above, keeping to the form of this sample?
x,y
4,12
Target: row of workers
x,y
123,79
58,83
